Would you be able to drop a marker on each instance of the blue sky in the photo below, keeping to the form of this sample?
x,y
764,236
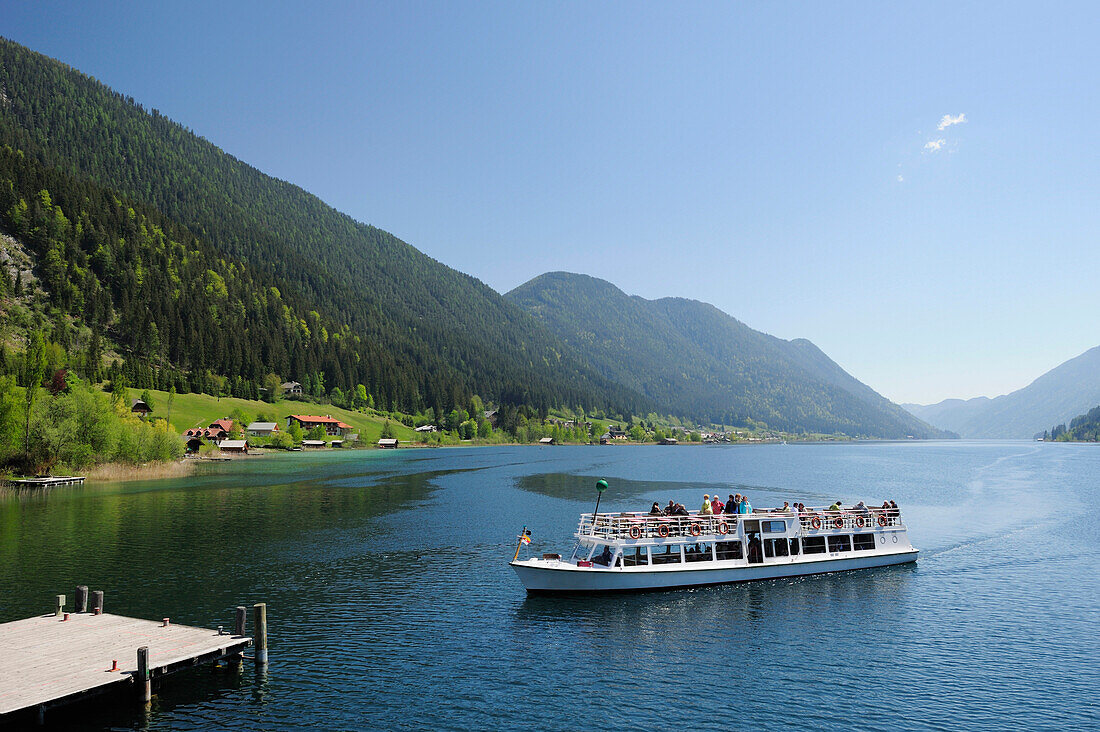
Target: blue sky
x,y
781,161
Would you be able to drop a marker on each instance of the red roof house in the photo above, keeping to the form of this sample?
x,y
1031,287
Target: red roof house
x,y
333,427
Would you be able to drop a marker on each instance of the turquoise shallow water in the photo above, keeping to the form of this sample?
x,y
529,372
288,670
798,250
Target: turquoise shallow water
x,y
392,606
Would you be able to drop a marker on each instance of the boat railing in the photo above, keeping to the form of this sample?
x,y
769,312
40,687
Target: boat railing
x,y
850,520
631,525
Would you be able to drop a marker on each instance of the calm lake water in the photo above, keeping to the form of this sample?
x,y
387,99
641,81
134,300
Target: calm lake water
x,y
391,604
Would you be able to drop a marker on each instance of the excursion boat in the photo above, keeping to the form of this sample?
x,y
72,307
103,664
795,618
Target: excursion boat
x,y
637,551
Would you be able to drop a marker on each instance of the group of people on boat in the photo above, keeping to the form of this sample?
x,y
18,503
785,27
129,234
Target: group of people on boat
x,y
739,504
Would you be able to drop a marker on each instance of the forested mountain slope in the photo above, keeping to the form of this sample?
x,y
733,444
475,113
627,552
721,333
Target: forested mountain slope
x,y
1082,428
354,302
1057,396
691,354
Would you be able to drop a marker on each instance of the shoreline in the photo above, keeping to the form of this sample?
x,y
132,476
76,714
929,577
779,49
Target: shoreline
x,y
123,472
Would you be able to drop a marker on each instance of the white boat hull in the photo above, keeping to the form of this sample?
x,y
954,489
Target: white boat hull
x,y
541,576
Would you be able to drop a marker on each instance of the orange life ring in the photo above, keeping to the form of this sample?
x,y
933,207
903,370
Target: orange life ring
x,y
815,522
696,529
838,522
662,531
859,522
882,520
635,532
723,528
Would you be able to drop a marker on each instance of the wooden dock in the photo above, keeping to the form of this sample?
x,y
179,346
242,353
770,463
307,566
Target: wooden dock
x,y
46,482
55,659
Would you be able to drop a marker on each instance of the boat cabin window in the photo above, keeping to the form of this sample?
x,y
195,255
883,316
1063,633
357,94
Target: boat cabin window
x,y
602,555
863,542
700,552
840,543
813,545
794,547
775,547
752,525
774,527
634,556
729,550
668,554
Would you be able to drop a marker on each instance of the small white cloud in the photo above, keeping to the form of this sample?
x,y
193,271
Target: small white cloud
x,y
901,179
947,120
935,145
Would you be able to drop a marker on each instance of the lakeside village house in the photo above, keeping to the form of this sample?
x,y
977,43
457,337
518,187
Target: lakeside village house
x,y
262,429
333,427
216,432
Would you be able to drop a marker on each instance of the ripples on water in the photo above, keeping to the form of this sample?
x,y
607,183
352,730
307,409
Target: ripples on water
x,y
391,604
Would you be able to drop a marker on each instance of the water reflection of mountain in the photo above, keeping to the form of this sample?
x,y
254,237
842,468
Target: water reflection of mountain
x,y
198,537
583,487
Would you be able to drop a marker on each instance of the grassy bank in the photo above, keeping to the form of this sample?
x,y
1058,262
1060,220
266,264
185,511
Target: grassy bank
x,y
115,472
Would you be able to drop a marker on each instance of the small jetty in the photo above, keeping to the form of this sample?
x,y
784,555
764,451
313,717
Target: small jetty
x,y
45,482
51,660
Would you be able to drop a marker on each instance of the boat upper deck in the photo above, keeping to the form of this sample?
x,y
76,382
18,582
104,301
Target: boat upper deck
x,y
635,526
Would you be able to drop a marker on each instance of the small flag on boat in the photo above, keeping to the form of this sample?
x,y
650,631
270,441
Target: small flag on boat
x,y
524,538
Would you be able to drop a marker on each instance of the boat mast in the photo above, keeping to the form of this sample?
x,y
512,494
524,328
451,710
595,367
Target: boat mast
x,y
601,486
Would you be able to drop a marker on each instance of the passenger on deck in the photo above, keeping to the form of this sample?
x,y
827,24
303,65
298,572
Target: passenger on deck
x,y
834,507
744,506
655,510
786,508
707,509
894,510
670,508
716,505
861,506
731,504
680,510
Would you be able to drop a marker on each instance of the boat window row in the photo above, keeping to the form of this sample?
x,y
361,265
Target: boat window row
x,y
634,556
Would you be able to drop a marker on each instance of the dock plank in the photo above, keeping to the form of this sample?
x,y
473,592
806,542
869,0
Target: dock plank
x,y
46,659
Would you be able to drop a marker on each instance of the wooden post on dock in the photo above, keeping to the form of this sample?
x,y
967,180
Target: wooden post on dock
x,y
259,621
60,606
145,681
81,599
97,602
239,620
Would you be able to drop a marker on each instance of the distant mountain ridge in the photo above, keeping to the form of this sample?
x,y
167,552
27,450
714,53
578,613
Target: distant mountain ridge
x,y
1057,396
691,355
